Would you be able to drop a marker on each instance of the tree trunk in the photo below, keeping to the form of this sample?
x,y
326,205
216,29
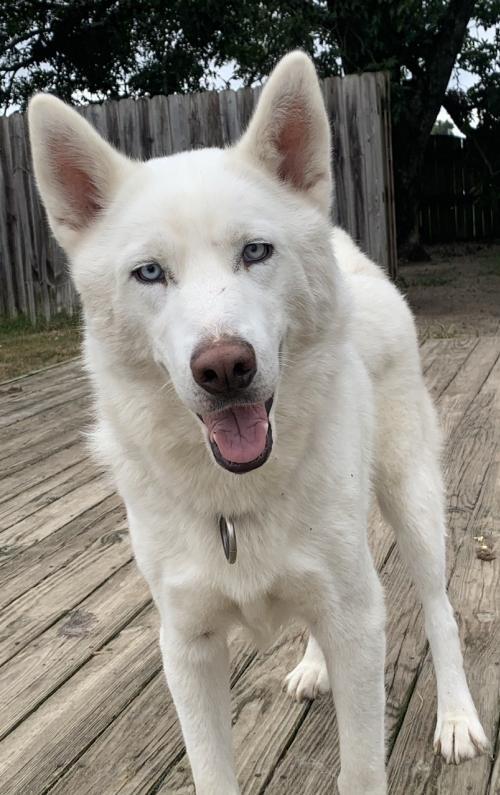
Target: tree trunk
x,y
421,96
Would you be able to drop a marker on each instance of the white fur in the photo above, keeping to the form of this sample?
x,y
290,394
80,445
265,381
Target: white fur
x,y
351,409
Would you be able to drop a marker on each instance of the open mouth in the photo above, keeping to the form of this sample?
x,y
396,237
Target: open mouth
x,y
241,437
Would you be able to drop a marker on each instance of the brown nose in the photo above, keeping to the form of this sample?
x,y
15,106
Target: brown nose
x,y
225,366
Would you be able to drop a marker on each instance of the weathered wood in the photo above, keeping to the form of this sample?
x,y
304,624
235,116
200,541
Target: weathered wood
x,y
48,442
8,303
37,407
441,369
62,426
38,751
145,740
28,616
48,661
384,98
23,568
30,500
92,713
50,518
14,394
494,786
33,270
21,485
455,202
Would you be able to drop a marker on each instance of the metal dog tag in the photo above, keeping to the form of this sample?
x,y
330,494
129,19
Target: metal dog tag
x,y
228,536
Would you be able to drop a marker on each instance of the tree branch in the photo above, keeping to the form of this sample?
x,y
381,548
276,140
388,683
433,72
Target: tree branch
x,y
22,37
430,85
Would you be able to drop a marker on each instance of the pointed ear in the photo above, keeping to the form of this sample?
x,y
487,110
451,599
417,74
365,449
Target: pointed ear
x,y
289,133
77,172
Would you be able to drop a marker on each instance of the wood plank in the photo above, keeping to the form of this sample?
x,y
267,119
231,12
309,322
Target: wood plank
x,y
57,396
494,784
28,616
47,442
40,749
161,143
258,760
20,395
30,500
28,567
55,515
57,486
36,430
30,481
144,742
442,360
44,664
10,201
8,296
476,369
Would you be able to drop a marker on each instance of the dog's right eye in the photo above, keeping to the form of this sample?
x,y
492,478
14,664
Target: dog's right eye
x,y
149,273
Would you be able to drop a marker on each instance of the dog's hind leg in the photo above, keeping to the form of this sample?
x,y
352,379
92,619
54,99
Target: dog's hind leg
x,y
410,493
310,676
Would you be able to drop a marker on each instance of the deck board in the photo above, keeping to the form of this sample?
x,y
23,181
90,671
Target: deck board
x,y
83,704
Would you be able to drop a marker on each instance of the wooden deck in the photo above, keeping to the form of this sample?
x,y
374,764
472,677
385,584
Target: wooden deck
x,y
83,705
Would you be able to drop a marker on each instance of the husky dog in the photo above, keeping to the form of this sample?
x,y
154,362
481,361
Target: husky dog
x,y
255,375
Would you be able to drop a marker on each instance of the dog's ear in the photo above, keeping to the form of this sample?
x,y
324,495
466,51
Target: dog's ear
x,y
77,172
289,133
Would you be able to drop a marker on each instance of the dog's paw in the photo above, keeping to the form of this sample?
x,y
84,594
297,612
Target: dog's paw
x,y
307,680
459,737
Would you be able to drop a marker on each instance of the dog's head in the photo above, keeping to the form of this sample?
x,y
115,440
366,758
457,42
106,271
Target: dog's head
x,y
202,265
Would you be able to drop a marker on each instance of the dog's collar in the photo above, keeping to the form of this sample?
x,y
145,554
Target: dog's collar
x,y
228,537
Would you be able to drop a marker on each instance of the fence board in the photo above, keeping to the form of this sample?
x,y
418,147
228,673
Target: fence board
x,y
33,271
459,199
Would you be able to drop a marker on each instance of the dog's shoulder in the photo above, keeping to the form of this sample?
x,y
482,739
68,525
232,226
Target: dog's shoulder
x,y
351,259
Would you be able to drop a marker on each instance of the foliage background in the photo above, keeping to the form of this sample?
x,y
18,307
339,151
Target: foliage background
x,y
93,49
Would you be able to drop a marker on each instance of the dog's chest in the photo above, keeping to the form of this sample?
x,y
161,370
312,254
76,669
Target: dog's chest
x,y
262,617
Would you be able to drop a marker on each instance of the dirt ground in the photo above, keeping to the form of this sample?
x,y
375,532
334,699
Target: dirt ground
x,y
457,293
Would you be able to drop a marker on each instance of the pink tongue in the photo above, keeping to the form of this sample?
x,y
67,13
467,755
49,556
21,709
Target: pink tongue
x,y
239,432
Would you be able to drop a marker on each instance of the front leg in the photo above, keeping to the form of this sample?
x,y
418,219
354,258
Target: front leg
x,y
351,634
197,672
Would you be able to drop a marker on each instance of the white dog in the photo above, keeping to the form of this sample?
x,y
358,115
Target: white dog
x,y
254,374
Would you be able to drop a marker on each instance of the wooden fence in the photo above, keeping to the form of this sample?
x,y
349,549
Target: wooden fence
x,y
459,200
33,272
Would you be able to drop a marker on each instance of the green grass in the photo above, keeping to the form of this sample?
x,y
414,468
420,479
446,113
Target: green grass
x,y
25,347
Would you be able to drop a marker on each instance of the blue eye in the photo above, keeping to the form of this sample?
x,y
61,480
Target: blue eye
x,y
256,252
149,273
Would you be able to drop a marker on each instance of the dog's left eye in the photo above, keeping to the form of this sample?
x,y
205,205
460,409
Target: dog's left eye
x,y
150,273
256,252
